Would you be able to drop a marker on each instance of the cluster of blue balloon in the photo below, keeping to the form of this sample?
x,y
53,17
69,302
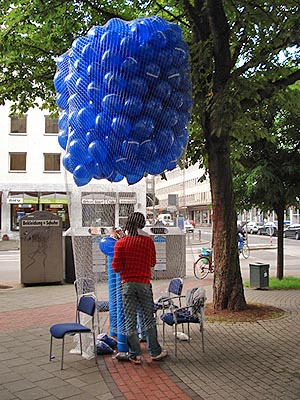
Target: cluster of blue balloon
x,y
124,91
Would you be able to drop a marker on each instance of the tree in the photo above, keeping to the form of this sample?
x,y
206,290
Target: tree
x,y
269,174
235,49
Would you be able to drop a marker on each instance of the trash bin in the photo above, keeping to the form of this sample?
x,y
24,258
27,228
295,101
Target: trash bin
x,y
41,250
170,251
259,275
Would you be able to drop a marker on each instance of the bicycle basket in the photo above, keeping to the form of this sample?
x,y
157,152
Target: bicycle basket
x,y
205,252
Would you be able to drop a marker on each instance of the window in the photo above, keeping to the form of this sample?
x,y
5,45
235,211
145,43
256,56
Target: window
x,y
51,124
18,124
51,162
17,162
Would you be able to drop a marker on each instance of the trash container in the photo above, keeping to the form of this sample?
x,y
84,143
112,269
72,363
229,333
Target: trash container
x,y
170,251
259,275
41,250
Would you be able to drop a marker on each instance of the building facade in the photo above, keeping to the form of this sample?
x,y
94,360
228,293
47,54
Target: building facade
x,y
184,194
33,178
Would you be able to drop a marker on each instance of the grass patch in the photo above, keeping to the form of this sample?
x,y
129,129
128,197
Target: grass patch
x,y
288,282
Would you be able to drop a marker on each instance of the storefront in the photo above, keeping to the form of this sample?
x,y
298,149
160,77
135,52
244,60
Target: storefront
x,y
57,203
22,204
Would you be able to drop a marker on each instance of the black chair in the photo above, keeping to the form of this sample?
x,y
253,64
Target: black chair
x,y
174,292
192,313
86,305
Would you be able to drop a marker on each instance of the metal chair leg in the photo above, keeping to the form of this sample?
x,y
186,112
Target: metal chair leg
x,y
62,353
50,356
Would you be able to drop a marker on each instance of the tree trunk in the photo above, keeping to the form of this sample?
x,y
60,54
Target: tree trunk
x,y
280,255
228,291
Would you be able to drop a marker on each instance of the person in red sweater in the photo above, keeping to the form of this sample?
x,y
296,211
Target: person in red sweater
x,y
134,256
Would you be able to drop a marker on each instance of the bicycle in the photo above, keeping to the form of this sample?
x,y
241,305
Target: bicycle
x,y
243,247
204,265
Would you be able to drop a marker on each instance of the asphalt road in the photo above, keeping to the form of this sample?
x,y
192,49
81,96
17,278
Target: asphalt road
x,y
263,250
10,259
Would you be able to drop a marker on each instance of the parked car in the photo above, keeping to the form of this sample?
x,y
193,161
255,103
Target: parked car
x,y
269,228
292,231
252,227
188,227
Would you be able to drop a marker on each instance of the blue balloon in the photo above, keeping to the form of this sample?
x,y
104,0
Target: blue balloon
x,y
63,120
163,90
93,135
147,150
95,92
155,167
87,118
78,150
114,83
88,52
62,100
59,81
163,140
110,40
130,66
173,77
62,138
82,175
131,148
158,40
69,162
95,72
176,100
128,46
139,31
98,150
138,87
96,32
121,126
169,118
110,59
107,245
152,72
79,43
143,128
153,107
133,106
134,178
183,120
103,123
112,103
117,25
173,33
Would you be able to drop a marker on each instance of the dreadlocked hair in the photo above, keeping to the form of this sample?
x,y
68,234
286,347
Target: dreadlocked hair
x,y
134,222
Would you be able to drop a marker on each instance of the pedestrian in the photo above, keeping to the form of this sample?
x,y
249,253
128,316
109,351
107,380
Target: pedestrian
x,y
134,256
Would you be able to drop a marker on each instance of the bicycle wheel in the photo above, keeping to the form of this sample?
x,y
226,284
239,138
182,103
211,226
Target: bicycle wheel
x,y
201,268
246,251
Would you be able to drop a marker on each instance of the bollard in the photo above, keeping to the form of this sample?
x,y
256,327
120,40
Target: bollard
x,y
199,235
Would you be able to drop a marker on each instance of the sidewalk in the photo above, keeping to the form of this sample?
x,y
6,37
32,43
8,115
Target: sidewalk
x,y
258,361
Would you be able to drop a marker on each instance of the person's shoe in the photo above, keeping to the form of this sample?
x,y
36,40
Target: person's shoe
x,y
162,355
135,359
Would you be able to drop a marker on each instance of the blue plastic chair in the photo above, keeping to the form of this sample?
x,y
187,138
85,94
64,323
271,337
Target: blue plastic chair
x,y
86,305
192,313
174,292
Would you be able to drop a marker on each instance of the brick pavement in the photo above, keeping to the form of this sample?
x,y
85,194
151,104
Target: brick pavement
x,y
241,361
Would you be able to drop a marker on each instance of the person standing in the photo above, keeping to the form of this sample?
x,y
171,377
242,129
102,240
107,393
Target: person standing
x,y
134,256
